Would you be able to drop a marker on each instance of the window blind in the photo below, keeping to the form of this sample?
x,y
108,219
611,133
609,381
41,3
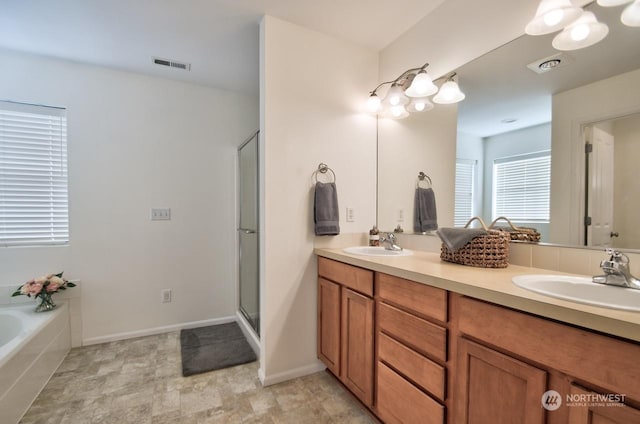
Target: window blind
x,y
33,175
465,176
522,187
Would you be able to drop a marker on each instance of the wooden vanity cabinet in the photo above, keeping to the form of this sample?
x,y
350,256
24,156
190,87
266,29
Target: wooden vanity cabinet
x,y
411,351
345,325
507,359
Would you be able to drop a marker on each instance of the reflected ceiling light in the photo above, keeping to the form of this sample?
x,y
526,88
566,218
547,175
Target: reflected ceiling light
x,y
552,16
612,3
420,104
449,92
421,85
395,96
631,15
584,32
410,93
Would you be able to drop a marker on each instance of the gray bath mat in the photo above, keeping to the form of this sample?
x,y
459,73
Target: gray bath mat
x,y
211,348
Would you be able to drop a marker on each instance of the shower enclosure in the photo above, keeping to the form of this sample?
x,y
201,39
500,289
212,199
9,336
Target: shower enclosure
x,y
248,232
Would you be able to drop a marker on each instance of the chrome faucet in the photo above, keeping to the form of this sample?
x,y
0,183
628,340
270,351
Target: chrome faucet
x,y
389,242
616,271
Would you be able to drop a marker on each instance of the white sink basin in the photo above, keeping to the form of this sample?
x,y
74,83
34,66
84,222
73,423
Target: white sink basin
x,y
581,290
376,251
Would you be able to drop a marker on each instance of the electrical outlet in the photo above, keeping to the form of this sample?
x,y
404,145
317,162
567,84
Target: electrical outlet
x,y
160,214
351,215
400,215
166,296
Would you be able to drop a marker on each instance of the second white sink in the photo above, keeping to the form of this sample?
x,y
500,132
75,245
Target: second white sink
x,y
376,251
581,290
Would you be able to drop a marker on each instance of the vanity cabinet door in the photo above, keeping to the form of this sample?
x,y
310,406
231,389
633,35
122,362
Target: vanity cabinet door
x,y
589,412
357,344
495,388
329,324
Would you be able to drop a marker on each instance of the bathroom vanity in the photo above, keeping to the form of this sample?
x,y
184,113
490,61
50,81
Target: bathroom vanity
x,y
422,341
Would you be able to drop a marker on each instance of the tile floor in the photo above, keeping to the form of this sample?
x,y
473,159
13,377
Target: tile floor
x,y
139,381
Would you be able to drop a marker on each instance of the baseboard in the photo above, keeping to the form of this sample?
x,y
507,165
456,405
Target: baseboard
x,y
290,374
156,330
249,334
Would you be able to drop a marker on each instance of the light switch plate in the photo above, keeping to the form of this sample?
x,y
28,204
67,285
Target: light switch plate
x,y
160,214
351,215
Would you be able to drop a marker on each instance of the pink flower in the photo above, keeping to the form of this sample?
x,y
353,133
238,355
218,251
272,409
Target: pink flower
x,y
31,288
55,283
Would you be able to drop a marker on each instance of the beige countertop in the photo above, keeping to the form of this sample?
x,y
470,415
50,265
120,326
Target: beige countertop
x,y
494,285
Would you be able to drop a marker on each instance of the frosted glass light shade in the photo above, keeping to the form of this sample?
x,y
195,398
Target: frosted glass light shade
x,y
420,104
421,86
374,103
612,3
397,112
395,96
584,32
449,93
552,16
631,15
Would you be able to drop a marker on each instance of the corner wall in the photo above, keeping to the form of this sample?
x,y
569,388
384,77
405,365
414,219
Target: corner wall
x,y
313,89
137,142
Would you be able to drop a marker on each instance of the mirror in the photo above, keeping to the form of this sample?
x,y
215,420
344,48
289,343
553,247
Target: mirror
x,y
537,120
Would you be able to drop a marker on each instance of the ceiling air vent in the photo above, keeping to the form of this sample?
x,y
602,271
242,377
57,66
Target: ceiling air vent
x,y
550,63
171,63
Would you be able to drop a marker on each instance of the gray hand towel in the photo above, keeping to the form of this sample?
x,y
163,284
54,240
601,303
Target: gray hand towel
x,y
424,211
455,238
325,210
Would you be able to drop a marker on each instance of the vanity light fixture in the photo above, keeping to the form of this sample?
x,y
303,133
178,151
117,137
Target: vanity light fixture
x,y
612,3
631,14
410,93
551,16
449,92
584,32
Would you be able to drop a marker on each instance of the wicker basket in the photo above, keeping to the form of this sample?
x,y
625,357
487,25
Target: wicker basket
x,y
488,251
517,233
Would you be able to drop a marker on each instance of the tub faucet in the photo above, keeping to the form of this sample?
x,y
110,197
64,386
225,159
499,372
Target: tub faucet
x,y
389,242
616,271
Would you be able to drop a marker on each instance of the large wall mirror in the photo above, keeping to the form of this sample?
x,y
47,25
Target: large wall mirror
x,y
520,145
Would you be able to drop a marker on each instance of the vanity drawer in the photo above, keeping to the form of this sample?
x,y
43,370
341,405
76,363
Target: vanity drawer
x,y
401,402
358,279
418,333
422,371
415,297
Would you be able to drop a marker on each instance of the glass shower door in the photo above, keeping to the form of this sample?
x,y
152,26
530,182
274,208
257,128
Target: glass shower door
x,y
248,232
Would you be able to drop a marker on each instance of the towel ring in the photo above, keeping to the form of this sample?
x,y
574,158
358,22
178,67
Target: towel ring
x,y
323,168
422,177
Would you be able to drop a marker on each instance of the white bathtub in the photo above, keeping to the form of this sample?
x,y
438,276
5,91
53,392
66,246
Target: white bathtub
x,y
32,346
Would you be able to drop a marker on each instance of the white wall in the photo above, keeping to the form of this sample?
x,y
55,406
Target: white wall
x,y
571,111
421,142
137,142
471,147
312,93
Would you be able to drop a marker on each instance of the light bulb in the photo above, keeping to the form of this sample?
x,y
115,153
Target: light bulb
x,y
395,96
421,86
553,18
396,112
419,106
631,15
580,32
373,103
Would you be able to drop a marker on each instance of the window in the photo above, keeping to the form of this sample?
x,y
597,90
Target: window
x,y
522,187
465,177
33,175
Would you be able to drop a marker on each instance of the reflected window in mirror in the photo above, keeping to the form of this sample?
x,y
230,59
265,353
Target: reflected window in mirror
x,y
466,175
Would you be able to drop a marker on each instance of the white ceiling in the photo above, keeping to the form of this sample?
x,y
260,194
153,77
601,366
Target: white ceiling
x,y
220,38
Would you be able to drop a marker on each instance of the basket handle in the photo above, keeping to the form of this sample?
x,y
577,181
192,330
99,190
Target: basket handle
x,y
513,227
484,226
